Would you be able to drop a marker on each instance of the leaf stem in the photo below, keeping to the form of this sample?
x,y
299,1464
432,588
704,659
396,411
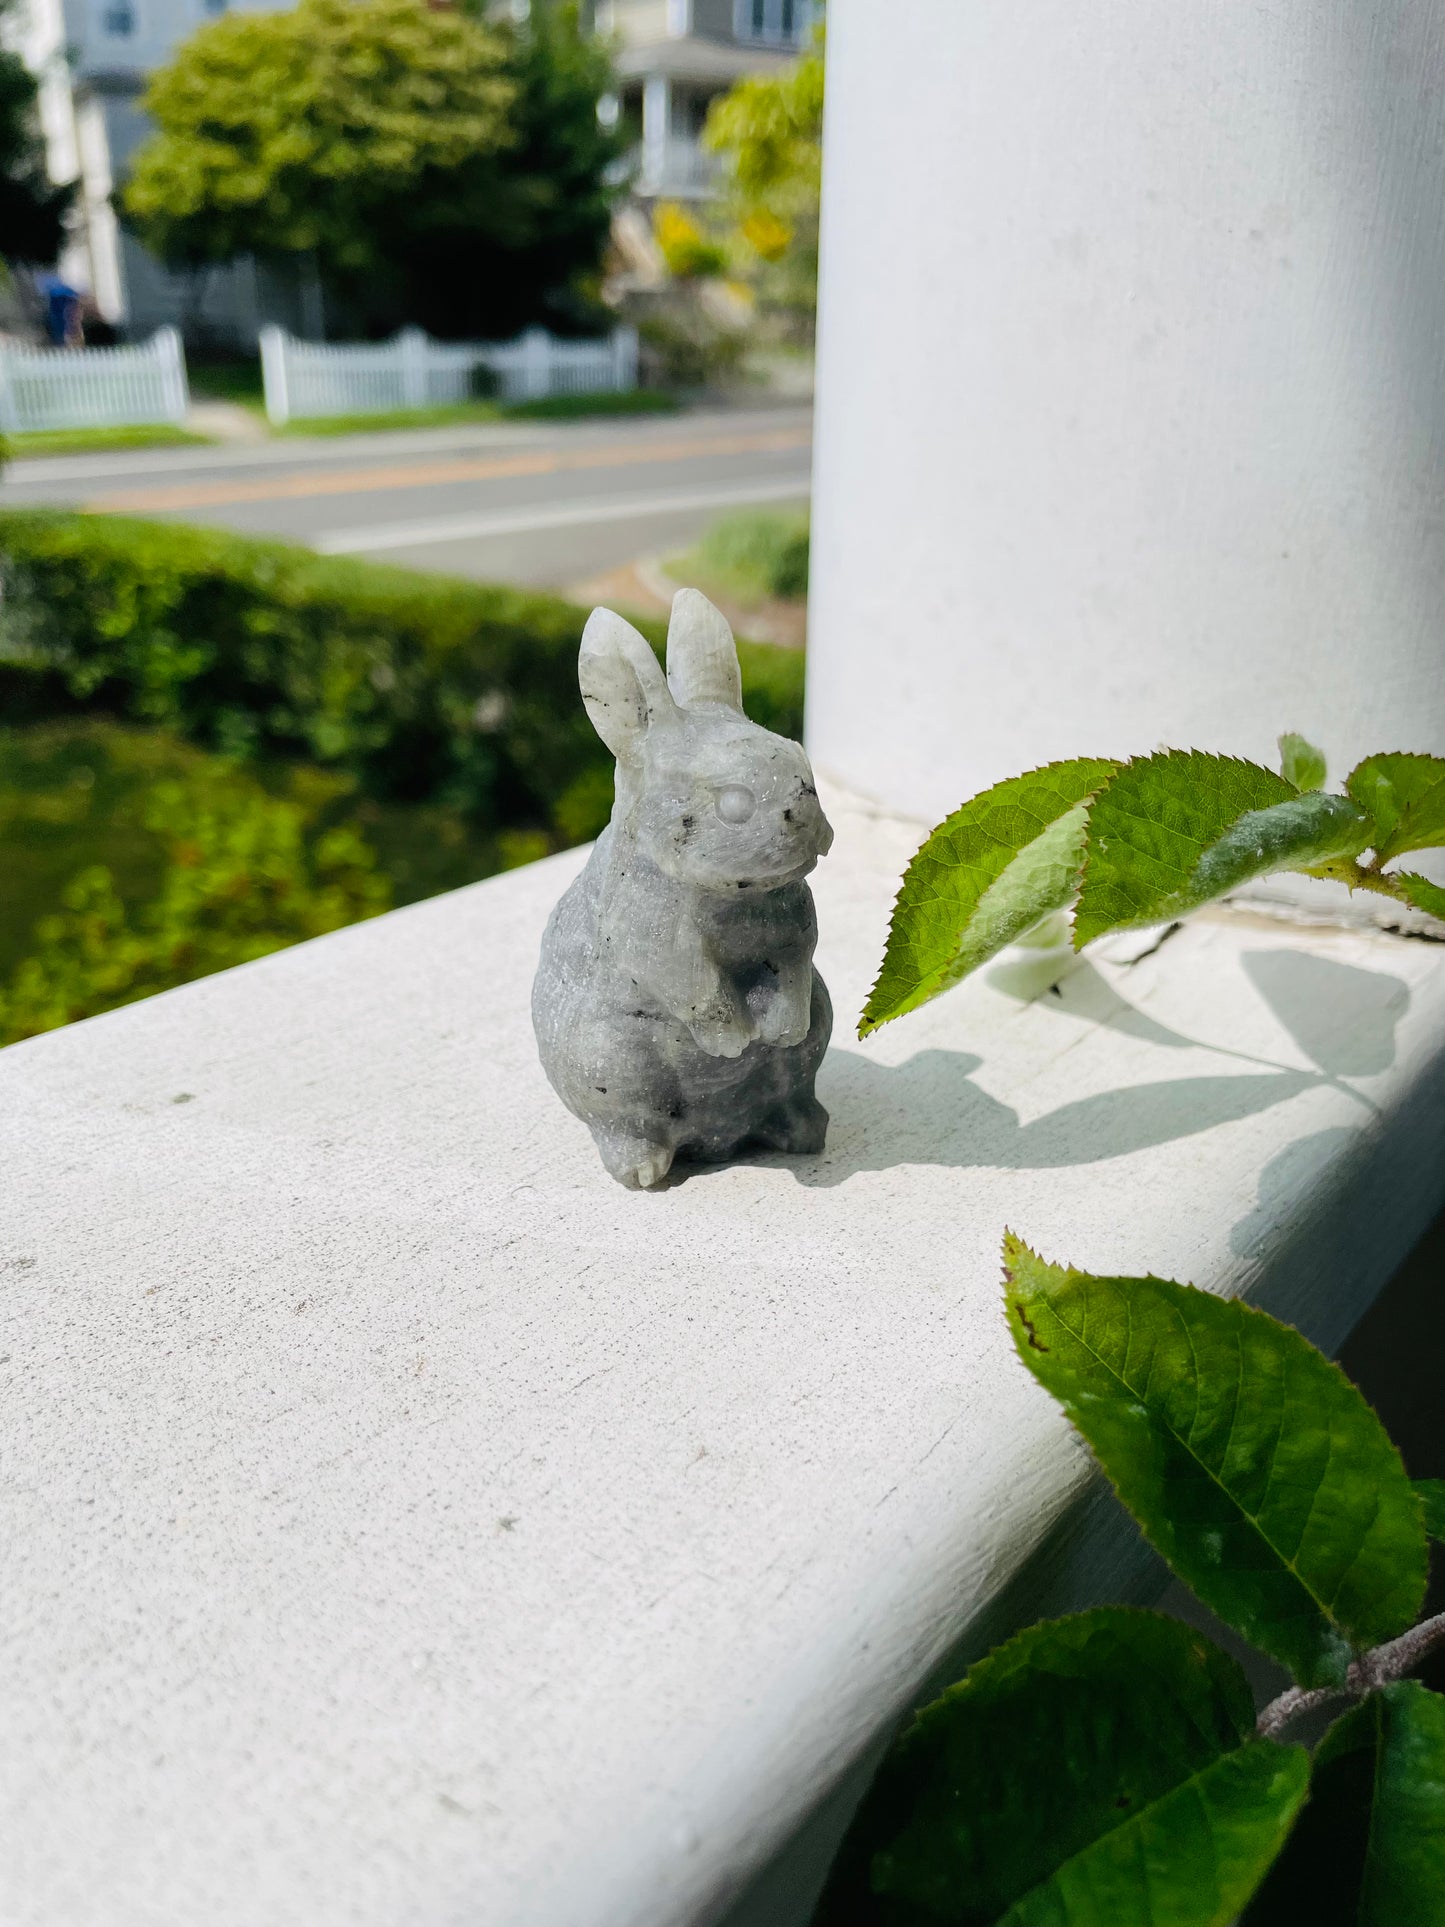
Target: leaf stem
x,y
1373,1669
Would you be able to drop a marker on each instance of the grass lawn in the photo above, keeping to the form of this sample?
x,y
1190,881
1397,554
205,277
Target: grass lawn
x,y
86,441
556,408
447,416
565,408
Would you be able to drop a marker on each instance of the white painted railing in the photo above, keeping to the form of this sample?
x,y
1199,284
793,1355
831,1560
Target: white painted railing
x,y
93,387
677,167
308,378
405,1522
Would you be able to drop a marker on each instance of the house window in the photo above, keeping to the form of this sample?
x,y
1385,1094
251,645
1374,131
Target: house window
x,y
774,22
118,19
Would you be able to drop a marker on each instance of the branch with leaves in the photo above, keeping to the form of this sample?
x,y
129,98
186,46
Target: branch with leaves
x,y
1146,842
1109,1769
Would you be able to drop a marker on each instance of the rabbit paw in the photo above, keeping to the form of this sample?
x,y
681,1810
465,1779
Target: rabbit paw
x,y
634,1160
786,1021
720,1036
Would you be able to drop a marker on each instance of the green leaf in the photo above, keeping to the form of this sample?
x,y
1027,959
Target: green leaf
x,y
1249,1460
1171,831
1369,1849
1405,794
1301,763
983,878
1092,1771
1419,891
1432,1497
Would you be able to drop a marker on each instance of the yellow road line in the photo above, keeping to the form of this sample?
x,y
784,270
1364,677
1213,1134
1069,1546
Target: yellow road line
x,y
361,481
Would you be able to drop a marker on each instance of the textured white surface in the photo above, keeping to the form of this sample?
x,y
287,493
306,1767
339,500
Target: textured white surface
x,y
405,1525
1131,386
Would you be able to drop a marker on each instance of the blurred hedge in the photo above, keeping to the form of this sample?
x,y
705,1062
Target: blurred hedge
x,y
206,868
422,688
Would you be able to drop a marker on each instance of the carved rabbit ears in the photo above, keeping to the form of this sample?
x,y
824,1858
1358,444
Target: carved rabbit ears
x,y
622,682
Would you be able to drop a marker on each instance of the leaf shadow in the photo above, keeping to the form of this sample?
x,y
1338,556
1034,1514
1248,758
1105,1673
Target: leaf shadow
x,y
928,1111
1342,1017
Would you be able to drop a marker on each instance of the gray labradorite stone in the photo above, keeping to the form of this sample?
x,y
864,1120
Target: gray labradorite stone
x,y
676,1005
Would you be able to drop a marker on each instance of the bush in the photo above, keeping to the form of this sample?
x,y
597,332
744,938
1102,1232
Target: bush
x,y
761,554
236,872
421,688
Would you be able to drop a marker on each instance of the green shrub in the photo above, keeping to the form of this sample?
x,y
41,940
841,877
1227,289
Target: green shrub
x,y
758,554
421,688
212,869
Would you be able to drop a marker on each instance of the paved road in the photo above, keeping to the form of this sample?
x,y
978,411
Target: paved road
x,y
547,504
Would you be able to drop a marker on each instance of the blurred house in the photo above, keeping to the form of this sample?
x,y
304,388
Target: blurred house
x,y
674,58
94,57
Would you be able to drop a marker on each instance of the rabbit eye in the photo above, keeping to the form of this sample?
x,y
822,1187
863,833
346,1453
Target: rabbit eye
x,y
735,804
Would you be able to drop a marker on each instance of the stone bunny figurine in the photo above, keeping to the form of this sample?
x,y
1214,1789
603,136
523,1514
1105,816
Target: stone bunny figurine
x,y
676,1004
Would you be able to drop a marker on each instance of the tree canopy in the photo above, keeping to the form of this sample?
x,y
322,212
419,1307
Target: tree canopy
x,y
292,132
32,208
769,131
439,167
519,235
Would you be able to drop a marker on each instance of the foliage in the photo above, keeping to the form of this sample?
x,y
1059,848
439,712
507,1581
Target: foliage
x,y
686,250
1370,1846
245,872
518,235
1432,1498
32,207
73,791
1146,842
1108,1768
440,168
689,347
84,441
297,132
769,131
757,554
419,688
1250,1462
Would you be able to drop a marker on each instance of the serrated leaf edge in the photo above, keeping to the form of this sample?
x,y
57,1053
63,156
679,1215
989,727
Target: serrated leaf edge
x,y
1069,1273
1134,762
867,1023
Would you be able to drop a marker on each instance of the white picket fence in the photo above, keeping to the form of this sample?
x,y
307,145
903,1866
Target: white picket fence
x,y
93,387
309,378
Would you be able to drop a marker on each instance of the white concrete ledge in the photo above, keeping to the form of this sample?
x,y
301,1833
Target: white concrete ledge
x,y
406,1525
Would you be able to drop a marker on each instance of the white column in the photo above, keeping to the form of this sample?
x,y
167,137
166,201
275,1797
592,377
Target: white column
x,y
1131,392
656,119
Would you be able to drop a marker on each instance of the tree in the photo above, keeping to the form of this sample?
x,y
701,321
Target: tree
x,y
440,168
32,208
302,132
518,236
769,131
